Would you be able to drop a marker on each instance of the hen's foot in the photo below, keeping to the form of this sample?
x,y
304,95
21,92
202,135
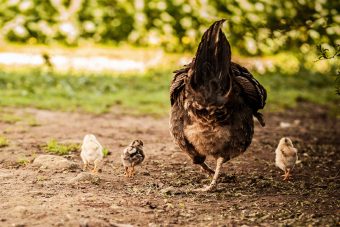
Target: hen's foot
x,y
213,183
209,188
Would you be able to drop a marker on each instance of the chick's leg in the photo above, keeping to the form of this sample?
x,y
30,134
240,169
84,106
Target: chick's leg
x,y
132,171
96,165
213,183
286,175
85,166
126,172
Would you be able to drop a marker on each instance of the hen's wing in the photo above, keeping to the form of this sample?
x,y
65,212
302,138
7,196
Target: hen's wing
x,y
178,83
178,113
253,92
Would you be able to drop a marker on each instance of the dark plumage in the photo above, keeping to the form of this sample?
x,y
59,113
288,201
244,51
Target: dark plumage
x,y
132,156
213,101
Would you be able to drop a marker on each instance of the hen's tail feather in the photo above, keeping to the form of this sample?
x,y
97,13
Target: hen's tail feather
x,y
212,61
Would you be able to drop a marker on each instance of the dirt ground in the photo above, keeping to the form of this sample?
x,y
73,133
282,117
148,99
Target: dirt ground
x,y
251,191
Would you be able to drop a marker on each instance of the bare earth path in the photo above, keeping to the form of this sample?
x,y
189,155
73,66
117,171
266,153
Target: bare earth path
x,y
250,192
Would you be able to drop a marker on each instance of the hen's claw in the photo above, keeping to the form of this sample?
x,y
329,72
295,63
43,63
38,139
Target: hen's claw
x,y
209,188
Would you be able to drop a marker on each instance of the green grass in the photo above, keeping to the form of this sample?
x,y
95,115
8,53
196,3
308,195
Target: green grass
x,y
30,120
106,152
54,147
9,118
33,122
3,142
23,162
142,93
284,90
145,93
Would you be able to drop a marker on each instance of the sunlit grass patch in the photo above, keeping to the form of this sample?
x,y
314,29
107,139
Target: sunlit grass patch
x,y
54,147
9,118
23,161
33,122
3,141
285,90
106,152
143,93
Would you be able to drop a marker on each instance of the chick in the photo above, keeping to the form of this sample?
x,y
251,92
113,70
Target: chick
x,y
286,156
132,155
91,152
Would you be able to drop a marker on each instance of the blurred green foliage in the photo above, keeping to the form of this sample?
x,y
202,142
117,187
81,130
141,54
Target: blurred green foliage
x,y
253,26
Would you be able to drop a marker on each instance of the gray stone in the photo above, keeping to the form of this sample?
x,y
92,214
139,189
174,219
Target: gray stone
x,y
20,211
54,162
84,176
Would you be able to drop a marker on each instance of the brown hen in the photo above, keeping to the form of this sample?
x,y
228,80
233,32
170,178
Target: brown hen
x,y
213,101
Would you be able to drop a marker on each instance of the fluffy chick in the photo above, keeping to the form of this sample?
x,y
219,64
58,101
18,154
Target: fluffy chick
x,y
91,152
132,156
286,156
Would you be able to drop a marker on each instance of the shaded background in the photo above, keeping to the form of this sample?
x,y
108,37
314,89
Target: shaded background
x,y
133,46
255,27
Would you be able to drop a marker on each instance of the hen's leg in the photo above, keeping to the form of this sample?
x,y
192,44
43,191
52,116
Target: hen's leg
x,y
206,168
213,183
199,159
177,131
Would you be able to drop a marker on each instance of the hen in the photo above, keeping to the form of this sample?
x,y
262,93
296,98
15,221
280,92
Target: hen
x,y
286,156
132,156
91,152
213,101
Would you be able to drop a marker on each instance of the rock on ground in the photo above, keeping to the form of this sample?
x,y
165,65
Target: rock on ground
x,y
53,162
84,176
